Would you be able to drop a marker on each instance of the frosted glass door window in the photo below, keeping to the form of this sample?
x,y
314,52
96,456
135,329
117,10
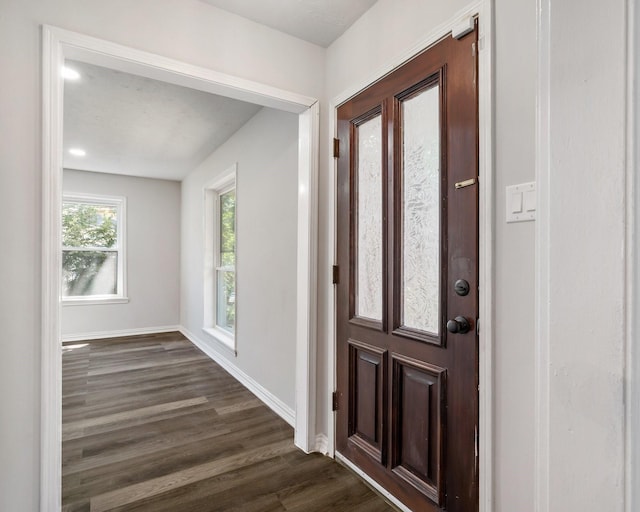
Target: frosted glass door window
x,y
369,220
421,211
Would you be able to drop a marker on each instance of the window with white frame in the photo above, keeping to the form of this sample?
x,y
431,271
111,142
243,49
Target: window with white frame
x,y
93,256
220,258
226,260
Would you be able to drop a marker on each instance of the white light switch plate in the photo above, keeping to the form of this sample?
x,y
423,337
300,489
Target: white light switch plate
x,y
521,202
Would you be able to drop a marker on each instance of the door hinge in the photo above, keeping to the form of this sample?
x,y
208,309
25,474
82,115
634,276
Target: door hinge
x,y
334,401
475,442
464,27
336,148
336,274
477,327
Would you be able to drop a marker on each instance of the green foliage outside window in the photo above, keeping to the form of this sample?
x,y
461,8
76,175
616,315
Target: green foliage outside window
x,y
87,226
227,313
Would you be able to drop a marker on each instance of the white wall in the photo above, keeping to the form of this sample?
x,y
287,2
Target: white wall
x,y
152,254
633,346
587,274
266,151
188,30
514,316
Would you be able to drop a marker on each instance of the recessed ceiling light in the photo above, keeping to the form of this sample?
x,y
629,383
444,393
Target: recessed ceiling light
x,y
77,152
70,74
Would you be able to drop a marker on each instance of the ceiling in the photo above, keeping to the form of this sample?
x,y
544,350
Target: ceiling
x,y
137,126
132,125
318,21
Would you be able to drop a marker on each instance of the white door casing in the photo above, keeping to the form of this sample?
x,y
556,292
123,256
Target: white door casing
x,y
60,44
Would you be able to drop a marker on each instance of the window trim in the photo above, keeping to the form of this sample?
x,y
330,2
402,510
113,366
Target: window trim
x,y
120,203
222,183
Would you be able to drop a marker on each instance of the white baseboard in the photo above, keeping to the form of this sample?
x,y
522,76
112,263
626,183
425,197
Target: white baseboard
x,y
322,444
372,483
270,400
96,335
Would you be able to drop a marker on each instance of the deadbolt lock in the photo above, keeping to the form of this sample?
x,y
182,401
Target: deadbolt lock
x,y
461,287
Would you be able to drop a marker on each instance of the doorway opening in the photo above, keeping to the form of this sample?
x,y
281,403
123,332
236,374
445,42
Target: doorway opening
x,y
61,45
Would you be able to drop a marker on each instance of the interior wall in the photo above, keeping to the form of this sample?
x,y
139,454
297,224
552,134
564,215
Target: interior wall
x,y
586,357
587,269
514,249
633,348
386,31
187,30
152,254
266,152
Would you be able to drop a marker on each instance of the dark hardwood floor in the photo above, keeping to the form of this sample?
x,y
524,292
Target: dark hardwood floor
x,y
152,424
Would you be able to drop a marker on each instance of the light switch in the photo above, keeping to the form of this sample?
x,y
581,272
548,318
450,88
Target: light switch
x,y
516,202
529,200
521,202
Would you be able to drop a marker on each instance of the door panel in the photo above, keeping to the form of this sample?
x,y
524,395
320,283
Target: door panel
x,y
367,397
419,406
407,232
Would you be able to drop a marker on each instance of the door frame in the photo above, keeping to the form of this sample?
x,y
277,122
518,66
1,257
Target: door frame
x,y
632,355
59,44
483,10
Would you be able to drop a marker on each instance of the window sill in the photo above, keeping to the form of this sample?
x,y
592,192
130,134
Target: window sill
x,y
92,301
223,337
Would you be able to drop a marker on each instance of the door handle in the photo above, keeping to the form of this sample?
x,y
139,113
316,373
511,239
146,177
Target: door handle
x,y
458,325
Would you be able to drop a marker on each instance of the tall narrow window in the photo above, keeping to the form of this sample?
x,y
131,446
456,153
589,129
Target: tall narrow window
x,y
226,262
93,260
220,298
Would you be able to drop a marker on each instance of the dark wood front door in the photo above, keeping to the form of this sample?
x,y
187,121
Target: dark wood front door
x,y
407,297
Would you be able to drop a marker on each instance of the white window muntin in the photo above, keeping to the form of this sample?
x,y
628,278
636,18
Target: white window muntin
x,y
120,204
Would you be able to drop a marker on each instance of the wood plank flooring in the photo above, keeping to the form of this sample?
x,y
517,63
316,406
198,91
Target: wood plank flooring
x,y
150,423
